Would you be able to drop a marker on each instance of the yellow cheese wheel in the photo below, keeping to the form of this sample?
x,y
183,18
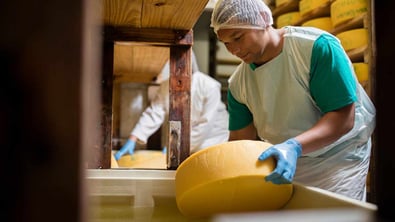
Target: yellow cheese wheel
x,y
307,6
353,38
287,19
362,71
228,178
344,10
324,23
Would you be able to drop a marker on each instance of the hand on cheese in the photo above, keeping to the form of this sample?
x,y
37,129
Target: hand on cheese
x,y
228,178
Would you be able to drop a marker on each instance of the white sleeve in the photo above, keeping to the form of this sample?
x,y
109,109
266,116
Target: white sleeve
x,y
210,100
153,116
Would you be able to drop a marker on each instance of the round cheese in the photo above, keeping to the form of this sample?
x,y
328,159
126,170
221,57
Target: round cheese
x,y
287,19
307,6
324,23
228,178
353,38
345,10
362,71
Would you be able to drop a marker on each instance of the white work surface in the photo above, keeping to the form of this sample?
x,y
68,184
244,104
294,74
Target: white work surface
x,y
149,195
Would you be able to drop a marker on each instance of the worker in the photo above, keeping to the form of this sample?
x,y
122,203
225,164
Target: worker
x,y
209,116
296,89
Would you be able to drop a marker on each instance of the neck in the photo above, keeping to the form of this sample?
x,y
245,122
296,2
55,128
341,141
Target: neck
x,y
274,45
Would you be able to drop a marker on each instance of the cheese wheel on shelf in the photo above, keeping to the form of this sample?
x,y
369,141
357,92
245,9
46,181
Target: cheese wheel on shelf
x,y
287,19
307,6
353,38
324,23
345,10
361,71
228,178
144,159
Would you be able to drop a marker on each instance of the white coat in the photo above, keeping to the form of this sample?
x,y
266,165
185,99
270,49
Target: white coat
x,y
209,117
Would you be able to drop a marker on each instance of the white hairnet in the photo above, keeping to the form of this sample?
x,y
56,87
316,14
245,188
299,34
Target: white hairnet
x,y
244,14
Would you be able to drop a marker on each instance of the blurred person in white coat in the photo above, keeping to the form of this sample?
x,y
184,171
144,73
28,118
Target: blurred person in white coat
x,y
209,116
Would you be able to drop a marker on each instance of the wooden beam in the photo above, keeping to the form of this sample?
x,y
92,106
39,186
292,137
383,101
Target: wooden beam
x,y
151,36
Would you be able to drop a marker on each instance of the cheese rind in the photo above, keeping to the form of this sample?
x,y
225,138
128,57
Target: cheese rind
x,y
324,23
228,178
353,38
287,19
345,10
307,6
362,71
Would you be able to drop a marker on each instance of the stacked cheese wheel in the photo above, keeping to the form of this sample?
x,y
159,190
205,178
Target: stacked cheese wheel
x,y
345,10
287,19
353,38
324,23
362,71
307,6
228,178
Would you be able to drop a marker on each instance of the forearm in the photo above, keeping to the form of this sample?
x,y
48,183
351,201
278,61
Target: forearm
x,y
133,137
328,129
247,133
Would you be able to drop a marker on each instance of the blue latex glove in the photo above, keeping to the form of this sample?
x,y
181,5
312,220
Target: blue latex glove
x,y
286,154
127,148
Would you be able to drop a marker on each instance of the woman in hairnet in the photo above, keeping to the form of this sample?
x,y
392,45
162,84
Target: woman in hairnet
x,y
209,117
296,88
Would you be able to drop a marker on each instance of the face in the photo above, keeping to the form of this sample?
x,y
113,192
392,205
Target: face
x,y
247,44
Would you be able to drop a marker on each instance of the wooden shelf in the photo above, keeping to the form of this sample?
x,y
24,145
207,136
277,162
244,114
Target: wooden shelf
x,y
322,11
129,27
290,6
358,54
138,63
228,62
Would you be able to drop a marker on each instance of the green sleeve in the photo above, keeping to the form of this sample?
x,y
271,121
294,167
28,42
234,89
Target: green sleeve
x,y
332,82
239,114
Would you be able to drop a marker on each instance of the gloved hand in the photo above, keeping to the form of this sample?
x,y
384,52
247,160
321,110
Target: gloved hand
x,y
128,147
286,154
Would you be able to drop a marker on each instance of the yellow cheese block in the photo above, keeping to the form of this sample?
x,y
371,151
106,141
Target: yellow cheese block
x,y
307,6
228,178
287,19
362,71
324,23
144,159
114,163
353,38
345,10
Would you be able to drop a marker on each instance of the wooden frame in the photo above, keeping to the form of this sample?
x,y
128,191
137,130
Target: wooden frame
x,y
158,24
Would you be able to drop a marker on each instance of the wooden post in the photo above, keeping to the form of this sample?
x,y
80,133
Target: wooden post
x,y
102,151
180,105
